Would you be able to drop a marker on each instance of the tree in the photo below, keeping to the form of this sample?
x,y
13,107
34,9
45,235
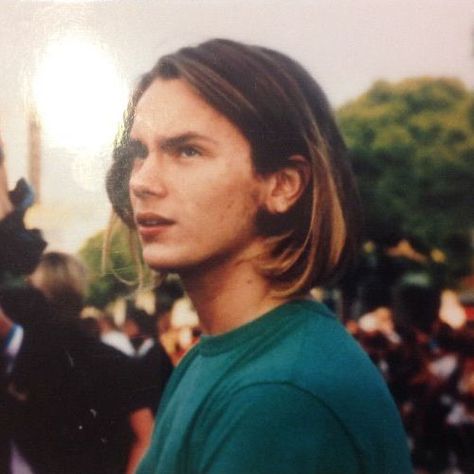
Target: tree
x,y
412,149
120,274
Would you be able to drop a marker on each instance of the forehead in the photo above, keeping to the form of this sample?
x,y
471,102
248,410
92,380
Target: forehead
x,y
171,106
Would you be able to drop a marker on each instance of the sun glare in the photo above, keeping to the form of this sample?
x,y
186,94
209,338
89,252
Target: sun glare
x,y
79,95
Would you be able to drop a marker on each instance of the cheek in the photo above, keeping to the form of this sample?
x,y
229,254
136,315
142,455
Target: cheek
x,y
230,197
238,208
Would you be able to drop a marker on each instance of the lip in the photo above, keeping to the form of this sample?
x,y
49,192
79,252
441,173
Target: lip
x,y
150,224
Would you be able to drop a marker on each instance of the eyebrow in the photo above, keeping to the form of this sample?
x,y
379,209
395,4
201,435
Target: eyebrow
x,y
171,143
168,144
135,147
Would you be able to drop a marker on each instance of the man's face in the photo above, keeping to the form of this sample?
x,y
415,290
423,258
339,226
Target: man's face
x,y
193,190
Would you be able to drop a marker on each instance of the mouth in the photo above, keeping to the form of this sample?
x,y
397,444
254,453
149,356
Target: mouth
x,y
150,225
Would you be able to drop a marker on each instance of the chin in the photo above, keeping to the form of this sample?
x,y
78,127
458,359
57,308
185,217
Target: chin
x,y
172,261
159,265
161,261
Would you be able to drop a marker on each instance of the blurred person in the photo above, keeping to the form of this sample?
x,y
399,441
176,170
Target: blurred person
x,y
62,279
380,266
375,329
111,335
451,311
422,390
139,327
21,247
90,326
376,333
233,172
20,250
460,419
455,338
169,333
184,328
380,319
153,365
421,345
69,403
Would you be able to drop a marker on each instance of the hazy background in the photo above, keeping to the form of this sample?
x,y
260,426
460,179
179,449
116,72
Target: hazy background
x,y
347,45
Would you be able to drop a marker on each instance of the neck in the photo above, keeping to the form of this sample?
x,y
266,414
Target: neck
x,y
229,296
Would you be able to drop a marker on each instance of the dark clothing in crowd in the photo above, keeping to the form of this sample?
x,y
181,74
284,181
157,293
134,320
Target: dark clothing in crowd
x,y
153,364
153,369
20,251
21,248
65,401
68,397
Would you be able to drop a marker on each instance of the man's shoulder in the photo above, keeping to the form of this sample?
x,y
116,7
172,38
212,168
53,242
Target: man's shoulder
x,y
325,360
309,349
315,355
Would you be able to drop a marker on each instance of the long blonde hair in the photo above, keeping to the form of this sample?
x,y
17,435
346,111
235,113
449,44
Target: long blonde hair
x,y
62,278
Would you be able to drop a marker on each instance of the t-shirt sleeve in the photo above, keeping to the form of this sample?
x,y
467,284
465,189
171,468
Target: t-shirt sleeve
x,y
273,428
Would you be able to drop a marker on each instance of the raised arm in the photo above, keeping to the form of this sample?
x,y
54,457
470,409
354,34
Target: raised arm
x,y
20,248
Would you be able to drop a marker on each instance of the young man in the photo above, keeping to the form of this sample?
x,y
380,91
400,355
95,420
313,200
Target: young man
x,y
233,173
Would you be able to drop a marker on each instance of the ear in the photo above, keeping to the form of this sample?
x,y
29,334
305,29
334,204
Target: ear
x,y
286,185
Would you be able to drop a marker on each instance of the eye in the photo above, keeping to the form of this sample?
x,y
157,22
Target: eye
x,y
189,151
134,149
139,150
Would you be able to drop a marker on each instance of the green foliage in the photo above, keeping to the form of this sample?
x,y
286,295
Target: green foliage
x,y
412,149
120,274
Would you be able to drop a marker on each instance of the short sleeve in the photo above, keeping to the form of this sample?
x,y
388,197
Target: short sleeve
x,y
272,428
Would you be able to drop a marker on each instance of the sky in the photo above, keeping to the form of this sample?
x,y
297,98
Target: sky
x,y
76,61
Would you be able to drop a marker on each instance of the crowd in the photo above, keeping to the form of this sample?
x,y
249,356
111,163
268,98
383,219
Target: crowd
x,y
419,336
428,366
69,402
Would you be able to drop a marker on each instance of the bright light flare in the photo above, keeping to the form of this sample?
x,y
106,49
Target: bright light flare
x,y
79,94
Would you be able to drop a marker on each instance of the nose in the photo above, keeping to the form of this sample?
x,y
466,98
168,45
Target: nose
x,y
146,178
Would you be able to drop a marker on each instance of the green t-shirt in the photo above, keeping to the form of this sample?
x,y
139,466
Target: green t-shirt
x,y
290,392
